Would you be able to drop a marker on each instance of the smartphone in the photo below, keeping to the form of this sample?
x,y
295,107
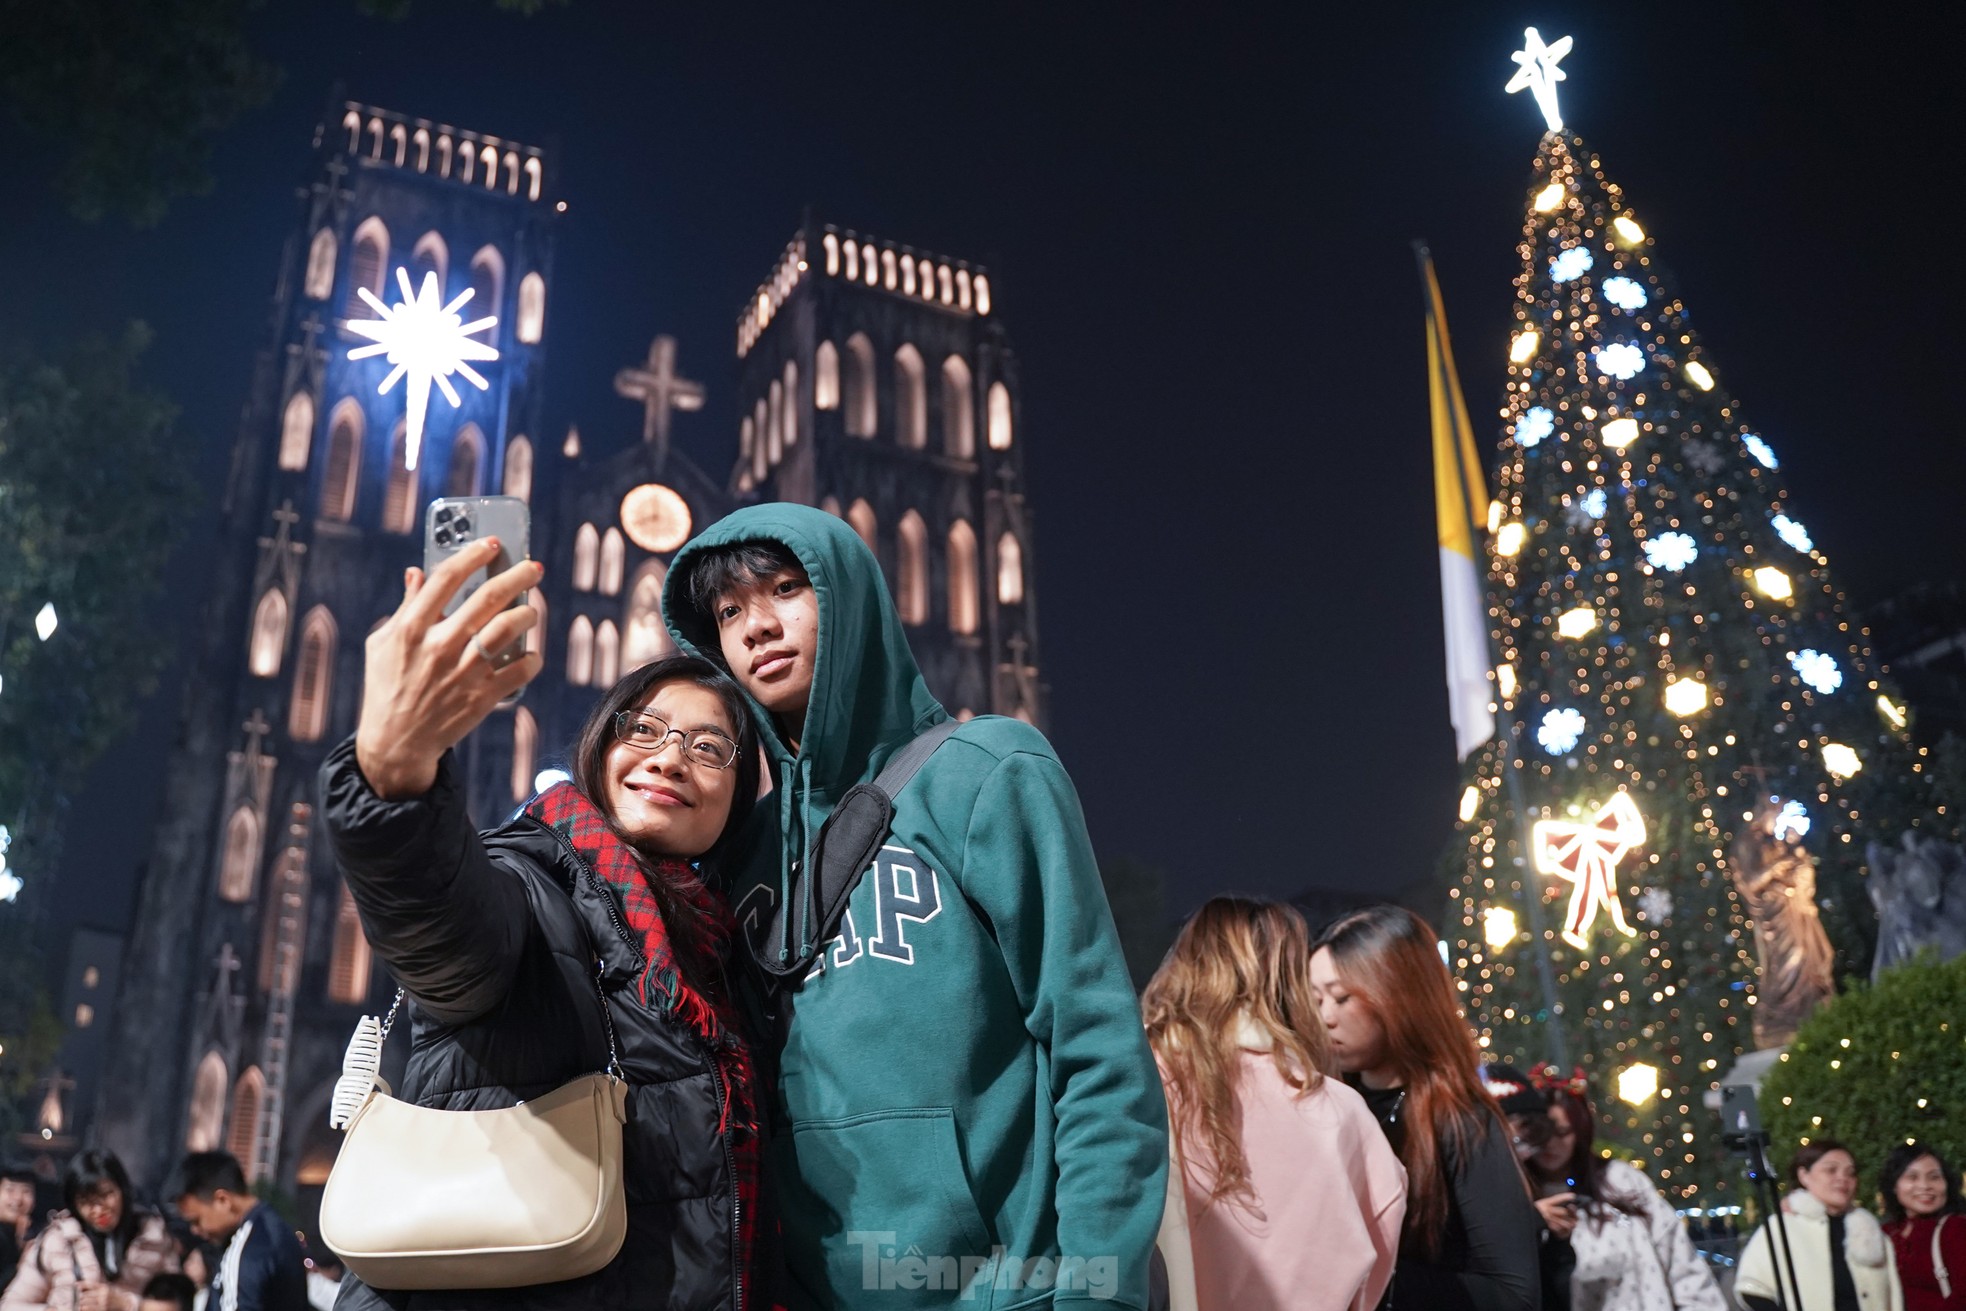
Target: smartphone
x,y
452,523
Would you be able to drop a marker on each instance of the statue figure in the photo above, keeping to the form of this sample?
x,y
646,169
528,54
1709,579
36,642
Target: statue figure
x,y
1776,879
1920,895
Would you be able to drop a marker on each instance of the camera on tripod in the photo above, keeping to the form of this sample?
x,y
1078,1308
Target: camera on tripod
x,y
1741,1133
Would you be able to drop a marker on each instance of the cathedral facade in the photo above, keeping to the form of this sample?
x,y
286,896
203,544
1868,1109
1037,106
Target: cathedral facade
x,y
874,380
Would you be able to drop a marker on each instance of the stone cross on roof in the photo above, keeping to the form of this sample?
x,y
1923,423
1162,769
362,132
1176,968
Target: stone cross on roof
x,y
661,391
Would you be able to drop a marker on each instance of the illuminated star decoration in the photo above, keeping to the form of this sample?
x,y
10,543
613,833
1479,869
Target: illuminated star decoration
x,y
1587,855
427,341
1537,70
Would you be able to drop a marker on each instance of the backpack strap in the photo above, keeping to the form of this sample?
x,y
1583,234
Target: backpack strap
x,y
846,845
1939,1258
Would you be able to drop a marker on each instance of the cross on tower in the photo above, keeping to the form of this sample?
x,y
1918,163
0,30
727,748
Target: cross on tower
x,y
256,730
661,391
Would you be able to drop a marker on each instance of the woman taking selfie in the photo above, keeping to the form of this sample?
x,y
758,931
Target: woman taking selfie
x,y
1282,1192
1922,1218
497,938
1469,1241
1842,1259
99,1253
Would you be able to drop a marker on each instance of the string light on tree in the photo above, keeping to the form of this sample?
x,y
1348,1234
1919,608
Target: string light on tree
x,y
427,341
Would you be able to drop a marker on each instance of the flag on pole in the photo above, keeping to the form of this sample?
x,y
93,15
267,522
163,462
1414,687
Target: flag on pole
x,y
1460,498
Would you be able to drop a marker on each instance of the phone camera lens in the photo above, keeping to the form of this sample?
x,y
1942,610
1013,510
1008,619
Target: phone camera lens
x,y
443,514
463,526
442,537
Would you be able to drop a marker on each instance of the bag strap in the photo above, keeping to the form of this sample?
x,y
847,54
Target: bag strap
x,y
1939,1260
846,844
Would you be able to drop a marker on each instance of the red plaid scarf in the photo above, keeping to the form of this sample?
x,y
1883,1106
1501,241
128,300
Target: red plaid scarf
x,y
662,986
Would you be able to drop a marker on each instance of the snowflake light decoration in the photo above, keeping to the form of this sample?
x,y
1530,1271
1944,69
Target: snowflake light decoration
x,y
1705,457
1793,533
1571,264
1536,423
1623,292
427,341
1560,731
10,882
1760,450
1620,360
1655,905
1793,819
1595,502
1817,669
1671,552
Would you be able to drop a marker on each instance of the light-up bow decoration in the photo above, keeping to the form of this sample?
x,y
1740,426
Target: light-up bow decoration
x,y
427,341
1587,854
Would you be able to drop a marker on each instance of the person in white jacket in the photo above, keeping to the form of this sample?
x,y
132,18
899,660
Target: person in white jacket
x,y
1843,1261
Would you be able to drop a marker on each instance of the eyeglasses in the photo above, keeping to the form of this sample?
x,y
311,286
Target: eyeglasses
x,y
650,732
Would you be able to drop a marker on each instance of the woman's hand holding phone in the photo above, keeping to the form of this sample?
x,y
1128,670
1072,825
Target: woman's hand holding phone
x,y
429,680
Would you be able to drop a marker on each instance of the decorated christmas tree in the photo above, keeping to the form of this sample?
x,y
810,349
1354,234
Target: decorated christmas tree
x,y
1691,725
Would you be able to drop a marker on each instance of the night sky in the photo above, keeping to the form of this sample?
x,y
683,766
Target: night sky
x,y
1198,229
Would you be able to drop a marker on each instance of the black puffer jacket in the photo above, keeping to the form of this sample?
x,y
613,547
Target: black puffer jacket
x,y
494,936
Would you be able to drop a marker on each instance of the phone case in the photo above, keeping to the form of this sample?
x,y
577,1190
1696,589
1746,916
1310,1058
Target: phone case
x,y
452,523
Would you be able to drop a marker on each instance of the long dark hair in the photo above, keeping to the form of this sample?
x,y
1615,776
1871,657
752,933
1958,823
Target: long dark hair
x,y
1389,959
589,769
87,1173
1901,1159
1584,1171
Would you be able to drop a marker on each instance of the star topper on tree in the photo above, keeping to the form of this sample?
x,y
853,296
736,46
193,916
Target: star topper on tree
x,y
1537,70
427,341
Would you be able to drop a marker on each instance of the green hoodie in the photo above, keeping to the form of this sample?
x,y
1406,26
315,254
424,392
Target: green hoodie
x,y
964,1074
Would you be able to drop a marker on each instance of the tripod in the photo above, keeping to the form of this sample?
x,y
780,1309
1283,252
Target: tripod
x,y
1752,1144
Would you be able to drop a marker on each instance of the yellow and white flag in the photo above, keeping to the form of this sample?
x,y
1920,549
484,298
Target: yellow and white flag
x,y
1460,498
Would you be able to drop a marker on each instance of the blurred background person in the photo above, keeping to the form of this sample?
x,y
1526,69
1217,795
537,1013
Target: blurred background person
x,y
1843,1261
16,1213
169,1292
1469,1240
324,1272
1927,1232
1282,1192
98,1253
260,1268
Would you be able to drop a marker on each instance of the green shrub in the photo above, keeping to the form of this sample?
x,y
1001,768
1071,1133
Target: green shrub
x,y
1876,1066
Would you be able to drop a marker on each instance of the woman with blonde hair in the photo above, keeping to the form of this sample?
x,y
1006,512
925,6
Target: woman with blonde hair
x,y
1471,1234
1282,1191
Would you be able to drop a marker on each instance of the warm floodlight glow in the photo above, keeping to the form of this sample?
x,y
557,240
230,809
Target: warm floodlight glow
x,y
1698,374
1536,69
1505,680
1628,230
427,341
1841,761
1619,433
1894,714
1509,540
1577,623
1773,583
1638,1084
1498,927
45,621
1523,348
1470,803
1686,697
1548,198
1587,854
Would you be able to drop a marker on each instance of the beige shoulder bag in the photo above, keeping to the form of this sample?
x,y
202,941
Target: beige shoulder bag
x,y
429,1199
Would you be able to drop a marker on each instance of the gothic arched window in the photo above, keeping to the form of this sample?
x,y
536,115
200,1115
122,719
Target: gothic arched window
x,y
958,409
205,1118
241,1134
580,651
532,310
296,430
430,255
999,417
318,283
607,654
487,285
344,468
964,612
399,494
761,442
911,569
1010,570
774,423
241,859
858,389
367,267
861,516
586,557
348,966
645,637
789,416
518,468
613,561
910,398
269,638
826,377
307,719
525,752
467,455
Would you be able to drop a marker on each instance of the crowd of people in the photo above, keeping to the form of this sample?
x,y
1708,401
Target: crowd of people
x,y
857,978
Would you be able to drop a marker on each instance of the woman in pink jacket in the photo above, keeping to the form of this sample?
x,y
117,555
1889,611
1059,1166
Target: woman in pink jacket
x,y
99,1253
1283,1192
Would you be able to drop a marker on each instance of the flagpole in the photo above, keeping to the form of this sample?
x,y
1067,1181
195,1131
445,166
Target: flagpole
x,y
1511,777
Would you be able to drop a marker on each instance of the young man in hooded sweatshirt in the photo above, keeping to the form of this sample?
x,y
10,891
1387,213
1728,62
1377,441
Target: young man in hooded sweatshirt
x,y
967,1113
